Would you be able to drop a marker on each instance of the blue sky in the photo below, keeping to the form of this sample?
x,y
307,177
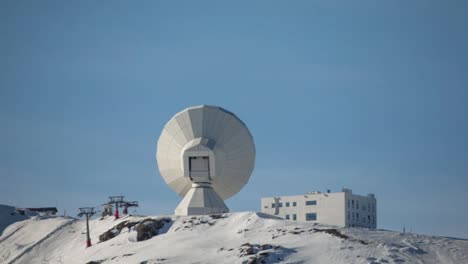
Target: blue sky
x,y
369,95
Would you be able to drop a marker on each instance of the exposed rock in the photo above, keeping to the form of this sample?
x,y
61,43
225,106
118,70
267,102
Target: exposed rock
x,y
96,261
146,228
296,232
262,253
218,216
151,261
149,228
336,233
201,220
266,246
332,232
249,251
115,231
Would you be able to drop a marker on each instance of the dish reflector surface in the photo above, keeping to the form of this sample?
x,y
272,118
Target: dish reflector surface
x,y
211,133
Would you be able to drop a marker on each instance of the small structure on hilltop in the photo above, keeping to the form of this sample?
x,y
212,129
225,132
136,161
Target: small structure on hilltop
x,y
39,210
343,208
107,210
117,201
127,205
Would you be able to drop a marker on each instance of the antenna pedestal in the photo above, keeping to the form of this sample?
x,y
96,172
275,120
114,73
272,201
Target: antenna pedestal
x,y
201,199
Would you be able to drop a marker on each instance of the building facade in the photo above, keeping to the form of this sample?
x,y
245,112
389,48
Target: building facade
x,y
343,208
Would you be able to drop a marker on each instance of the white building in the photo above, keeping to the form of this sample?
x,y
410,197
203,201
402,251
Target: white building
x,y
343,208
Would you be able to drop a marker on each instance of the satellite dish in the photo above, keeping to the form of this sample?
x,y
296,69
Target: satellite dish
x,y
205,154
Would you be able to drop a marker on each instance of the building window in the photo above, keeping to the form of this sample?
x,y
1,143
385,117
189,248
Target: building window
x,y
294,204
311,202
348,203
279,205
266,206
287,204
357,216
368,219
349,215
294,217
287,217
353,215
311,216
352,203
368,207
357,204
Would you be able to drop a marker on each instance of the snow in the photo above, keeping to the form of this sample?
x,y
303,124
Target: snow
x,y
206,239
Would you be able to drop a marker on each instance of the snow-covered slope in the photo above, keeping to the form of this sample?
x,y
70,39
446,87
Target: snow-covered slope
x,y
233,238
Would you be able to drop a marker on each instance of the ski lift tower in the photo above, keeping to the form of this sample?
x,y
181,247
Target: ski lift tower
x,y
88,212
117,200
126,205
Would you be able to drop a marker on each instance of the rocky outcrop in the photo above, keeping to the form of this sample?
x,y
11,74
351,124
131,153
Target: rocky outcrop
x,y
262,253
146,228
149,228
115,231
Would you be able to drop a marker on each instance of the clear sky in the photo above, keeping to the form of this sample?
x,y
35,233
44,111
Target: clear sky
x,y
369,95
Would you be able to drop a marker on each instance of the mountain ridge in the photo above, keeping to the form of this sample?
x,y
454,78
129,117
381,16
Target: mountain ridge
x,y
244,237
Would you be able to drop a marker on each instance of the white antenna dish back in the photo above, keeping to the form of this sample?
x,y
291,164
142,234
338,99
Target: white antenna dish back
x,y
205,154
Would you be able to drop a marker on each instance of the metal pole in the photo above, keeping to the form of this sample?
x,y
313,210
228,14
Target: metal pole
x,y
116,211
88,238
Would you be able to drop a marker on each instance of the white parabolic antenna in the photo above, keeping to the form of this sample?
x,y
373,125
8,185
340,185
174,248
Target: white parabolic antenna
x,y
205,154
